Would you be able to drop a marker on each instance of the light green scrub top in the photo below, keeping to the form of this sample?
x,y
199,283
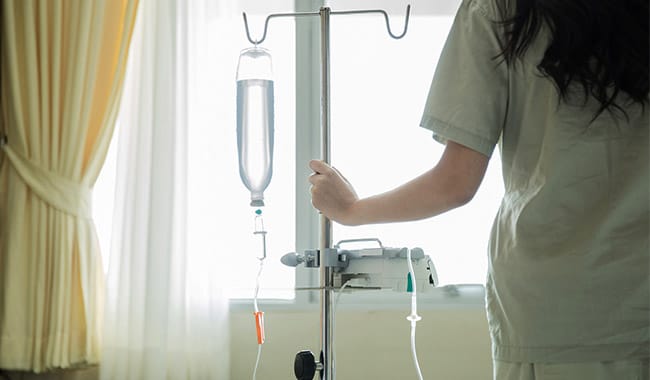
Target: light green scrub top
x,y
569,262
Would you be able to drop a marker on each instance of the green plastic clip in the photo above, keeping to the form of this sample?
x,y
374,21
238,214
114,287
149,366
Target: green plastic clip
x,y
409,283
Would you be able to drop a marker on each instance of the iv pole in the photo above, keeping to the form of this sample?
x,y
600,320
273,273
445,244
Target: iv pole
x,y
326,271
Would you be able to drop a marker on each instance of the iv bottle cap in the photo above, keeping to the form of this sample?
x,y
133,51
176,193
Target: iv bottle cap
x,y
255,63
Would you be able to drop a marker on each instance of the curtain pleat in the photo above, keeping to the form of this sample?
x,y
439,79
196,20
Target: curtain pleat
x,y
61,72
166,316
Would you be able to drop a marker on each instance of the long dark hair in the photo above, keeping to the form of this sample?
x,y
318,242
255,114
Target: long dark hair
x,y
602,45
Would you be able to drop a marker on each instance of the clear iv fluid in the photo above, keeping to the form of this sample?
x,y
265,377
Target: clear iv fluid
x,y
255,121
255,131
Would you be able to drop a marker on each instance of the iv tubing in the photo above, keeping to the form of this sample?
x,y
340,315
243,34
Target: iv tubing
x,y
260,338
257,361
259,230
259,316
413,317
257,285
336,302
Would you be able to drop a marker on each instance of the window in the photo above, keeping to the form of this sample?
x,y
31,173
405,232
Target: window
x,y
378,89
220,219
379,86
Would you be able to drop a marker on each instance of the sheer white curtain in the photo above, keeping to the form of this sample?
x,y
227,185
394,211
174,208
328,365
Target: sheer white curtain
x,y
166,317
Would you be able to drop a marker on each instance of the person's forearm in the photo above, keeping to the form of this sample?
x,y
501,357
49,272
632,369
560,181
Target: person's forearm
x,y
450,184
428,195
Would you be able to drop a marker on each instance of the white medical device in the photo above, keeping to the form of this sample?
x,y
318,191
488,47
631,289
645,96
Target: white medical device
x,y
398,269
371,268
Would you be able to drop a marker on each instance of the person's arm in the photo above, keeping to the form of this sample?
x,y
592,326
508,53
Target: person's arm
x,y
450,184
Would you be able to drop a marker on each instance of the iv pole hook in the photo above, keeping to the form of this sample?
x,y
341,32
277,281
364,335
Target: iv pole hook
x,y
266,23
269,17
383,12
406,23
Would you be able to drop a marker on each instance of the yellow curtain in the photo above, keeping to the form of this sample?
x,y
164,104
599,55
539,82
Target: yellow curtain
x,y
61,72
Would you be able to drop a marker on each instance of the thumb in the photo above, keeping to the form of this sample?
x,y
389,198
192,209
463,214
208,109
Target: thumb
x,y
319,166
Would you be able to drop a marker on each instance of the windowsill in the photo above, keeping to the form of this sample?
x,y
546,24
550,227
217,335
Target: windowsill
x,y
449,297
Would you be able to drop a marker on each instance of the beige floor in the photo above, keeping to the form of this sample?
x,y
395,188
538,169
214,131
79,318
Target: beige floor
x,y
91,373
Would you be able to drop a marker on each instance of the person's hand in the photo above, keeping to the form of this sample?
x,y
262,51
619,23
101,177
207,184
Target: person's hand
x,y
331,193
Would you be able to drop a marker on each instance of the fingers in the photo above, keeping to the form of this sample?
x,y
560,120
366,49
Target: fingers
x,y
320,181
331,194
314,177
321,172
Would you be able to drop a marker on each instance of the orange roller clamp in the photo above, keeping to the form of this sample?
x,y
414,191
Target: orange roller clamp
x,y
259,324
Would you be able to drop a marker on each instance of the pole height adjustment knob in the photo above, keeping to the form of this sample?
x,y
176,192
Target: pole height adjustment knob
x,y
304,365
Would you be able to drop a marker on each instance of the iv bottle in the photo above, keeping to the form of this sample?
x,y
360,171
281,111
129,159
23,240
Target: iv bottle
x,y
255,121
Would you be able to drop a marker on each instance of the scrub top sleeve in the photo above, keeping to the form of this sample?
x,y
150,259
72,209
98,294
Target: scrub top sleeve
x,y
468,98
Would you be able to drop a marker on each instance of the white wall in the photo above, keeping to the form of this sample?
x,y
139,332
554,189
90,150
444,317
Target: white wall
x,y
451,344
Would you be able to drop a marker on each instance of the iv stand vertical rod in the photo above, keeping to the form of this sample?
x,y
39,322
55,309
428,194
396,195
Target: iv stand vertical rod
x,y
326,272
326,364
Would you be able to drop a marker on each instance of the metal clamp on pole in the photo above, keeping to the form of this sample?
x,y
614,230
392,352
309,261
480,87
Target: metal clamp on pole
x,y
333,258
